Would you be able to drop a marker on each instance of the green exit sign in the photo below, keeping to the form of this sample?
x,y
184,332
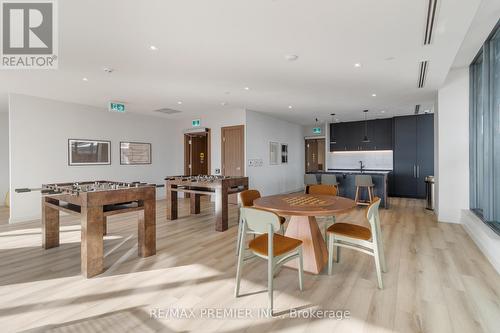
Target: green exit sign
x,y
317,130
116,107
196,123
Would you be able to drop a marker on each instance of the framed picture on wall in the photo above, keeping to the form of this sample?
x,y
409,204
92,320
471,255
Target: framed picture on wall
x,y
274,153
284,153
89,152
135,153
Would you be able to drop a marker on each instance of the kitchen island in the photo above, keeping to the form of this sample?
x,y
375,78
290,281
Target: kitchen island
x,y
347,187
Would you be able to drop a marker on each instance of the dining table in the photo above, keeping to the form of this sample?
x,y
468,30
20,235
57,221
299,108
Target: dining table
x,y
303,210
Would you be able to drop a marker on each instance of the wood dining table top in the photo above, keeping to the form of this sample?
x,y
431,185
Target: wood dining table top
x,y
300,204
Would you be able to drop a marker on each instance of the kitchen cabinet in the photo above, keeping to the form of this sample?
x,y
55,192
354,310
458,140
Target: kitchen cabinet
x,y
413,154
348,136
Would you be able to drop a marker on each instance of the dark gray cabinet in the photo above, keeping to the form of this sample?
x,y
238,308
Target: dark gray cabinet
x,y
413,154
348,136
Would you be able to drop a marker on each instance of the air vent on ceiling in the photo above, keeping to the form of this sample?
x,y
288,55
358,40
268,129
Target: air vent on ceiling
x,y
430,20
167,111
422,73
417,108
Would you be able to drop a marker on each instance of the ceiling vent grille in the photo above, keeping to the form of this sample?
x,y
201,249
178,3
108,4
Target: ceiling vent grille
x,y
417,108
167,111
422,73
430,20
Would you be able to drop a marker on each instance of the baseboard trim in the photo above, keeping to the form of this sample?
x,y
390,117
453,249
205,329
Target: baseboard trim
x,y
486,240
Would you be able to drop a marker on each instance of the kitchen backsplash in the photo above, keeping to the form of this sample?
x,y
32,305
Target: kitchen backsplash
x,y
380,160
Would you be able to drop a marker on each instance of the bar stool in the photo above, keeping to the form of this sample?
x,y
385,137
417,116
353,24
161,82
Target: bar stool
x,y
328,179
364,181
309,179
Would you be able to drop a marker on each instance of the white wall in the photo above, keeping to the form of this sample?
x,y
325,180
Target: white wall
x,y
274,179
453,146
39,132
4,155
215,121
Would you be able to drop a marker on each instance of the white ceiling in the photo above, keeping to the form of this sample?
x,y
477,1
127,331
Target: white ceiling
x,y
208,51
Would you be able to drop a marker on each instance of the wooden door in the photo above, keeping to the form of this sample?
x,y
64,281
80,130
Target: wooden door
x,y
311,155
321,154
233,150
233,154
197,154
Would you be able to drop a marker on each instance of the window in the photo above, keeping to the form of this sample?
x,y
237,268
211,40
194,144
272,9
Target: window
x,y
485,132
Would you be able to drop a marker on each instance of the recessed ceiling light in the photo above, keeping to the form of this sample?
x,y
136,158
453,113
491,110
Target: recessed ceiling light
x,y
153,48
383,111
374,95
290,107
247,88
179,102
291,57
357,65
223,103
108,70
85,79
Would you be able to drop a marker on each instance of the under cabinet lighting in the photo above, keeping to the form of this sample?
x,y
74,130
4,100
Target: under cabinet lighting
x,y
361,151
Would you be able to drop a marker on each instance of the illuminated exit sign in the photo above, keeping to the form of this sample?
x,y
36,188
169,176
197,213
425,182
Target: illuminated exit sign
x,y
116,107
196,123
317,130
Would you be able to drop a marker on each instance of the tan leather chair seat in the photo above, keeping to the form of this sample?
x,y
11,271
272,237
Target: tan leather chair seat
x,y
350,230
281,244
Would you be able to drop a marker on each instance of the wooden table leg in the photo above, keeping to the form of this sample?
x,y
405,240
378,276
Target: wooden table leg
x,y
195,203
50,224
221,208
147,229
171,202
314,249
92,247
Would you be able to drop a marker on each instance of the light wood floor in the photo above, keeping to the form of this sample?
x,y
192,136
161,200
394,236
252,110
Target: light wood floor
x,y
438,280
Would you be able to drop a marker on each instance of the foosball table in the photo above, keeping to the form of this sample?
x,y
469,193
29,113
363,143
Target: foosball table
x,y
196,186
94,202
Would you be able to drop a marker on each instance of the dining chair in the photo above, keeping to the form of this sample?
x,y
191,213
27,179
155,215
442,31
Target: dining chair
x,y
330,179
309,179
324,190
275,248
360,238
247,198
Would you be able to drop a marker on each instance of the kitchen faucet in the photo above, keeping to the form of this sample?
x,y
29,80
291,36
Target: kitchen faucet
x,y
361,166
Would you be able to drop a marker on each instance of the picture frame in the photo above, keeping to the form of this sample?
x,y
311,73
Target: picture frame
x,y
85,152
284,153
274,153
135,153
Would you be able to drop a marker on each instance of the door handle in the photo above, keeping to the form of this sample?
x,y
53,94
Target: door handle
x,y
418,171
414,171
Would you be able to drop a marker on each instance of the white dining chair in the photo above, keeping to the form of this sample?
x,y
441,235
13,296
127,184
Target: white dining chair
x,y
275,248
361,239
